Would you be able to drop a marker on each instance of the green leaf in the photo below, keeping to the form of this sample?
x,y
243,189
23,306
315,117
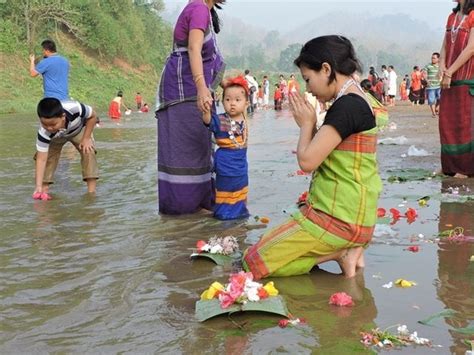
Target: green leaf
x,y
206,309
426,198
446,313
218,259
403,175
467,330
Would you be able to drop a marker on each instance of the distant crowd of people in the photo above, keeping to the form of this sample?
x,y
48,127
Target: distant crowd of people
x,y
419,86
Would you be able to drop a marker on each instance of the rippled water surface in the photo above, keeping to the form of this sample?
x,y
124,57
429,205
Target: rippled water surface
x,y
107,274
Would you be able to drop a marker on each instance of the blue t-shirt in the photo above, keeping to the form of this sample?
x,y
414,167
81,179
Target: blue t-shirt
x,y
55,72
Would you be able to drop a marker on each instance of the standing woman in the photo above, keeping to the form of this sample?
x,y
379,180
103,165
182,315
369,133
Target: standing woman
x,y
456,116
192,72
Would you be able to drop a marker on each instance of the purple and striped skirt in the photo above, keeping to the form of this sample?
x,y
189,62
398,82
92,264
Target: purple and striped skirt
x,y
185,184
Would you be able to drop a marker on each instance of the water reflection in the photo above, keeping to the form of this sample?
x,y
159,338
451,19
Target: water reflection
x,y
456,273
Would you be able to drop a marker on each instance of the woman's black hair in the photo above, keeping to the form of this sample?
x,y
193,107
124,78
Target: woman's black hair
x,y
367,85
335,50
466,9
216,22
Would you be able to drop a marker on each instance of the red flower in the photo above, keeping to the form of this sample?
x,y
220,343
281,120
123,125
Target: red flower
x,y
414,248
381,212
303,197
341,299
199,245
283,323
395,213
411,215
262,293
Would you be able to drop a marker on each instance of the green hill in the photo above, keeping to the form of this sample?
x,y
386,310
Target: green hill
x,y
111,45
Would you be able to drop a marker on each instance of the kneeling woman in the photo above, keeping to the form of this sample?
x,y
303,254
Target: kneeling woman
x,y
337,219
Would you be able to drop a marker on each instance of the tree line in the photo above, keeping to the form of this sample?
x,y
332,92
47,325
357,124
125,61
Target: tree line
x,y
130,30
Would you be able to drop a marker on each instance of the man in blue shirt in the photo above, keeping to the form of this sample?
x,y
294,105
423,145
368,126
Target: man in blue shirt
x,y
54,69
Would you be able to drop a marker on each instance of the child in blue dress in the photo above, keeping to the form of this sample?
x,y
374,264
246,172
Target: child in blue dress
x,y
230,162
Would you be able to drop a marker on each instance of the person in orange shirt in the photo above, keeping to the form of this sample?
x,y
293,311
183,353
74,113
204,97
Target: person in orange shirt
x,y
403,90
277,97
415,89
293,85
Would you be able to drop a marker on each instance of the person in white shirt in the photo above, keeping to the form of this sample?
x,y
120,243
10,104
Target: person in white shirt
x,y
392,85
253,88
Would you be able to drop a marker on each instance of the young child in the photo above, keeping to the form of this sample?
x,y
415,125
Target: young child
x,y
336,219
277,97
144,108
230,162
61,122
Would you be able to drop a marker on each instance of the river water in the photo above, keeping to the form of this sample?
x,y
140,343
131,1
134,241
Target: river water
x,y
107,274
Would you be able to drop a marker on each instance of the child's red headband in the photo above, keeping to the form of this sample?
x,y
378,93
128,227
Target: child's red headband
x,y
237,81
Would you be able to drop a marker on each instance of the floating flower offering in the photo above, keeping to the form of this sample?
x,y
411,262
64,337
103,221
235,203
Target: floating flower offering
x,y
217,245
240,294
385,339
240,289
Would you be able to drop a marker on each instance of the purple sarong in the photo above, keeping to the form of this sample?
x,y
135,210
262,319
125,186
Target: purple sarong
x,y
184,142
184,160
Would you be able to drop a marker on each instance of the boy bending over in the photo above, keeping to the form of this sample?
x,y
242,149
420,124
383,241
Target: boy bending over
x,y
61,122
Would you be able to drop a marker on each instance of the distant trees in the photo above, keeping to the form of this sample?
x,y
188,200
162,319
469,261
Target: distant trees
x,y
287,56
131,30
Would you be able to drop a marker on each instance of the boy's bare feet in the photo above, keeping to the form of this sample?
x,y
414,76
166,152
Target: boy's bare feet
x,y
91,185
460,176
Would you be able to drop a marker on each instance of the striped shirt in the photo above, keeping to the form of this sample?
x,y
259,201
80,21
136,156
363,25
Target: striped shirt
x,y
76,116
432,71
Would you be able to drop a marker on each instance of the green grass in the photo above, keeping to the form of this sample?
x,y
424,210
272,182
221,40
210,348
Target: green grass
x,y
92,81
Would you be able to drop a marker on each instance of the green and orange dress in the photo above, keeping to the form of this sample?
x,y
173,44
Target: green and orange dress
x,y
340,210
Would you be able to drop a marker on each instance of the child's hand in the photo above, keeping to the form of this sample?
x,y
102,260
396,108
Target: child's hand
x,y
204,99
303,112
86,145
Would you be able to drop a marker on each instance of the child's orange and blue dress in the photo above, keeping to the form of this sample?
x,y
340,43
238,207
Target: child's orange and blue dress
x,y
230,166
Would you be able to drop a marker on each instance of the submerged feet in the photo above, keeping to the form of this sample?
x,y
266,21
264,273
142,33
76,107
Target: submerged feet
x,y
350,260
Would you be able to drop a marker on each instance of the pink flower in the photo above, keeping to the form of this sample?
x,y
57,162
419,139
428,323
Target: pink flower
x,y
283,323
341,299
44,196
226,300
199,245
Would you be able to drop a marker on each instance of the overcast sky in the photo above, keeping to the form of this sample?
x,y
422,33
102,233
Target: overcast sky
x,y
287,15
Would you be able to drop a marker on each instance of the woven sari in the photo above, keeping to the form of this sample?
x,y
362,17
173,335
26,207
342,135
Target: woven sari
x,y
340,213
456,115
